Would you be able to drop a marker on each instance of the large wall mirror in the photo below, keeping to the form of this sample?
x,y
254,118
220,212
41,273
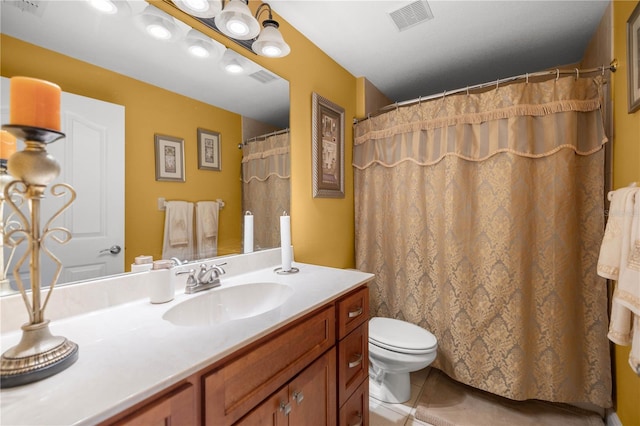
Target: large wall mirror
x,y
118,44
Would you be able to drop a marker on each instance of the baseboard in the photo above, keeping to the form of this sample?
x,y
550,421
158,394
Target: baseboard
x,y
612,419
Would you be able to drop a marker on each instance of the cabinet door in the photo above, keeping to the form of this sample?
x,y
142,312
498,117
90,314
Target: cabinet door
x,y
312,393
355,412
175,408
272,412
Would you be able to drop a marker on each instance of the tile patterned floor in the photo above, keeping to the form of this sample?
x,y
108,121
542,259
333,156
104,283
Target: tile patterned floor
x,y
383,414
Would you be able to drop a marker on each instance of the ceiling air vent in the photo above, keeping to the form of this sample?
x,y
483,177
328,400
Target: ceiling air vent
x,y
263,76
412,14
35,7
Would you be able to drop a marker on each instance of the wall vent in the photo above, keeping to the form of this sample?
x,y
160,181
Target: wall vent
x,y
35,7
412,14
263,76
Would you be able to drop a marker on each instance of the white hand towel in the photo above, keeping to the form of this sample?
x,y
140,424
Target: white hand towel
x,y
620,260
177,213
618,224
207,228
178,230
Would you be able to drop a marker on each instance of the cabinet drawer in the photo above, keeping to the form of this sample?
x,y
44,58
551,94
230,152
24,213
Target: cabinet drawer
x,y
353,361
355,412
353,310
231,391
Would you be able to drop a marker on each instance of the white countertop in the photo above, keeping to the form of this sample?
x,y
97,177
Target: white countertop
x,y
128,352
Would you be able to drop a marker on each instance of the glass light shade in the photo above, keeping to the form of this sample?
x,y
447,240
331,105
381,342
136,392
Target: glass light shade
x,y
236,21
201,46
157,23
200,8
270,42
236,64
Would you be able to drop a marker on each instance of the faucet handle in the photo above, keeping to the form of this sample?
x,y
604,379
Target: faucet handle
x,y
191,279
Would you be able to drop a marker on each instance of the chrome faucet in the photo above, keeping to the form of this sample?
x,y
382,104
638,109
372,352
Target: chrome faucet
x,y
207,278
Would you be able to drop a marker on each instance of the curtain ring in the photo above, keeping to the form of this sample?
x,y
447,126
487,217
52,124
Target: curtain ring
x,y
497,83
577,73
527,78
419,100
557,74
467,90
603,70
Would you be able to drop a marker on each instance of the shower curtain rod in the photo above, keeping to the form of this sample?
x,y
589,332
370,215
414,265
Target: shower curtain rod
x,y
612,67
265,136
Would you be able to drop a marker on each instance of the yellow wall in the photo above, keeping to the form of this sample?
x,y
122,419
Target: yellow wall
x,y
626,169
148,110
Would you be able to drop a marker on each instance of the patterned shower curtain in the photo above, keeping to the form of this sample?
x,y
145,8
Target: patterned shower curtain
x,y
481,216
265,186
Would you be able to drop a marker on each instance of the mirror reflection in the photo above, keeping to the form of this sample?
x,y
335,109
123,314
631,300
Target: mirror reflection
x,y
157,88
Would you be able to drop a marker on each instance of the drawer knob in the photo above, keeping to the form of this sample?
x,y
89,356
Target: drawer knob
x,y
357,312
356,362
298,396
285,407
358,420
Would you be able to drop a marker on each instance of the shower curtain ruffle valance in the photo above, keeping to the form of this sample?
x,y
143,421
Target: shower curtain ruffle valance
x,y
262,159
530,120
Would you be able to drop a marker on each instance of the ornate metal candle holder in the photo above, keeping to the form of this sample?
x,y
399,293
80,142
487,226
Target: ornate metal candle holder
x,y
39,354
5,179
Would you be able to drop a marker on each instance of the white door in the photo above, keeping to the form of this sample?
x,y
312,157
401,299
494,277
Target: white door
x,y
91,158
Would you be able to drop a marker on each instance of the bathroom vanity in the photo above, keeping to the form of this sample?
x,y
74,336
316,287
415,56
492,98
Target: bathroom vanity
x,y
303,361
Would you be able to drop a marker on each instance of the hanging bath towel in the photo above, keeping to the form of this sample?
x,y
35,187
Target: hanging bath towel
x,y
178,230
620,260
207,228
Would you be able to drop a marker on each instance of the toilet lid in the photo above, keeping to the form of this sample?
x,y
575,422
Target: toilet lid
x,y
400,336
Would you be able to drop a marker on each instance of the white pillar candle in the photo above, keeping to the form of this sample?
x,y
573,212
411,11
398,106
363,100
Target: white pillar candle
x,y
248,232
285,242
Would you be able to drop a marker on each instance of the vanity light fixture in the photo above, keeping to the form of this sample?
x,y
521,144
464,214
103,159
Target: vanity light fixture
x,y
236,21
201,46
200,8
157,23
270,42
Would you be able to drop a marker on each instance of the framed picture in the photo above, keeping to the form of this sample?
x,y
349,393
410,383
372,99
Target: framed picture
x,y
169,158
208,150
633,58
328,148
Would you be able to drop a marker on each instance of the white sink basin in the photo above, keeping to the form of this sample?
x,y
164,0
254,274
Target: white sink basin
x,y
225,304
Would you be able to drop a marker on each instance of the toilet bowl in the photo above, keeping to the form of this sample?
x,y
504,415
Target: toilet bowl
x,y
396,348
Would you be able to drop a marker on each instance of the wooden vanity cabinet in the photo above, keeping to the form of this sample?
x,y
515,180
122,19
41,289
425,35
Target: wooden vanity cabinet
x,y
313,371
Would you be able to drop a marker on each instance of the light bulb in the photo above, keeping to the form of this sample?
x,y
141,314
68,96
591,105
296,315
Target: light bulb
x,y
199,51
237,27
158,31
104,6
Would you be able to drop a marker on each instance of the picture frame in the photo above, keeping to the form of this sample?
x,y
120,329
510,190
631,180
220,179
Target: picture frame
x,y
633,58
328,148
209,150
169,158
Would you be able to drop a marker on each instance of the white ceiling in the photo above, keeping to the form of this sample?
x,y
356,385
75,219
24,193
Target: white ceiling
x,y
466,42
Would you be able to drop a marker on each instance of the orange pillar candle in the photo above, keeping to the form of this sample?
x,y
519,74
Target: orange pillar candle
x,y
7,144
34,103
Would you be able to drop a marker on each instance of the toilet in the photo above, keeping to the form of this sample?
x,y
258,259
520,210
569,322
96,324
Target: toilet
x,y
396,348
